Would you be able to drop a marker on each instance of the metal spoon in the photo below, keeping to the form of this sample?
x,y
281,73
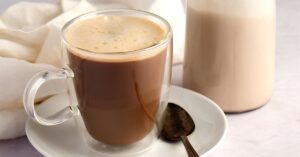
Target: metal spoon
x,y
177,125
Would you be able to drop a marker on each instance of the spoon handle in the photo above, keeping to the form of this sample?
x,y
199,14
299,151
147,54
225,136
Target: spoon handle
x,y
189,148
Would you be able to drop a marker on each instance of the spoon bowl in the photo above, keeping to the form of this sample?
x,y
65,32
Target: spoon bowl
x,y
177,125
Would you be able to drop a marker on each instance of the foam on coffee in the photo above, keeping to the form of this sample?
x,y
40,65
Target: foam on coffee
x,y
109,34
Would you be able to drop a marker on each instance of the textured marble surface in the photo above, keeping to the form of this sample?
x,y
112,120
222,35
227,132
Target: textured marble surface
x,y
273,130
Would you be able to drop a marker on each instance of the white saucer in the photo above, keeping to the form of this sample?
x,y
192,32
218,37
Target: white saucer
x,y
63,140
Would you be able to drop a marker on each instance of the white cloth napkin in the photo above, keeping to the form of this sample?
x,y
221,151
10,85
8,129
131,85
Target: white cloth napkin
x,y
30,42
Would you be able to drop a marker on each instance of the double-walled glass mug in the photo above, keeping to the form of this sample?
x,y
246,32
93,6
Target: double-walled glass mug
x,y
117,65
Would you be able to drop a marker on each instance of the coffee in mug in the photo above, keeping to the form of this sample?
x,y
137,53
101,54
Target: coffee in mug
x,y
118,68
118,97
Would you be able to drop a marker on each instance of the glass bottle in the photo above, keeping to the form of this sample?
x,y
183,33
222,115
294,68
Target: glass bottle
x,y
229,54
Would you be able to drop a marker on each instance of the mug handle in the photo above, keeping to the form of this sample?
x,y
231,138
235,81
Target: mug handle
x,y
30,92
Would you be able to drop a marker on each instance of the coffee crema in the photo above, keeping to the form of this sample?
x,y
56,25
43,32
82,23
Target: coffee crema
x,y
113,35
118,92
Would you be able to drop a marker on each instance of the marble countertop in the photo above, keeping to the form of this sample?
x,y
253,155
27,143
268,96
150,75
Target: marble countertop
x,y
273,130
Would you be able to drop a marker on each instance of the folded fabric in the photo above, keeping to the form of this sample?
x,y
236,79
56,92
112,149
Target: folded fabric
x,y
12,123
30,42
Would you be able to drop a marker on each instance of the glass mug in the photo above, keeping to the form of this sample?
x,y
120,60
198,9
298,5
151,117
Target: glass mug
x,y
119,96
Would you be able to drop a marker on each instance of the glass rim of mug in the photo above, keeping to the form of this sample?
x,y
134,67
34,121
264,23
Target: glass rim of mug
x,y
167,36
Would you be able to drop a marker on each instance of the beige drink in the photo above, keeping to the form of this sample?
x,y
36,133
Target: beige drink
x,y
230,54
